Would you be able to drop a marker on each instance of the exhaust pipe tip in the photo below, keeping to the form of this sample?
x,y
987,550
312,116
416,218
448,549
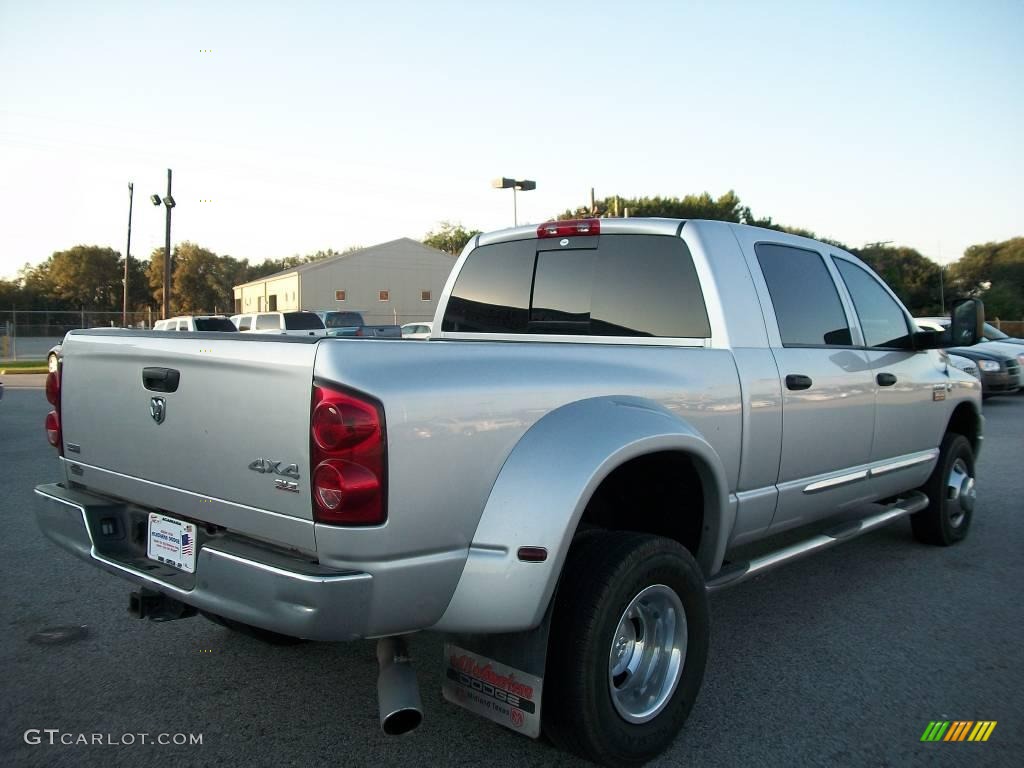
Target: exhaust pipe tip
x,y
401,721
398,693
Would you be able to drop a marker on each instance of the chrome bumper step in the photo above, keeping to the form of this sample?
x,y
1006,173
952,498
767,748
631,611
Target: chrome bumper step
x,y
739,572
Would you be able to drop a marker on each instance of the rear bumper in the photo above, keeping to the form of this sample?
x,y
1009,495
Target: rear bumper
x,y
233,578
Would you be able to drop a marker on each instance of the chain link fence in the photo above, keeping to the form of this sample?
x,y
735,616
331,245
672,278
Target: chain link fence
x,y
29,335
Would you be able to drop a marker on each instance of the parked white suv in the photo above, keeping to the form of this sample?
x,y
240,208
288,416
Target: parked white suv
x,y
288,323
194,323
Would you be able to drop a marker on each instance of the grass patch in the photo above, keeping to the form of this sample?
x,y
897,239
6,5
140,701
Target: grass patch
x,y
24,366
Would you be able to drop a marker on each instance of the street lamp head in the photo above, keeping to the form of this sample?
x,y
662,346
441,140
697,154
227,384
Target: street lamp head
x,y
154,199
169,201
526,185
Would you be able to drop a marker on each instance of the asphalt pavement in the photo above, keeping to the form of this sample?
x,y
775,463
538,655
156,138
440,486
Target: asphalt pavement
x,y
841,659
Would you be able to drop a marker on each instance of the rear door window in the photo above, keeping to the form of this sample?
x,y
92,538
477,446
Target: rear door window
x,y
245,322
611,285
804,296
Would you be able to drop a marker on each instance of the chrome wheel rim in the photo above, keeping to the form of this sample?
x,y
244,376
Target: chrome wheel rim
x,y
645,661
960,493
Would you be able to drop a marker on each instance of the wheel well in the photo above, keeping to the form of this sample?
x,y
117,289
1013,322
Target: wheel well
x,y
964,421
659,493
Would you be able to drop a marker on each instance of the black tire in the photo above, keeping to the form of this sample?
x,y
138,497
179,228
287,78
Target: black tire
x,y
604,572
946,520
264,635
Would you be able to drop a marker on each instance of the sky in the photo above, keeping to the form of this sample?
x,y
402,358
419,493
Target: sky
x,y
299,127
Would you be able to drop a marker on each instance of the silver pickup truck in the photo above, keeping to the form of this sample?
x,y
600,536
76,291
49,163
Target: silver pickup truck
x,y
606,411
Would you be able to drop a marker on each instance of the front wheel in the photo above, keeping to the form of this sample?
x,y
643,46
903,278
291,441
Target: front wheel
x,y
951,495
629,641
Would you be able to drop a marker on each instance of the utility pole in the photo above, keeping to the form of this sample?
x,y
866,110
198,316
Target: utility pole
x,y
127,257
168,204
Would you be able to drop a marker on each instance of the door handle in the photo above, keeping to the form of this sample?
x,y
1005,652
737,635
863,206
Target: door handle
x,y
798,381
161,379
885,379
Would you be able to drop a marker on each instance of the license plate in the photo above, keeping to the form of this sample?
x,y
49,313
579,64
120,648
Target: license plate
x,y
172,542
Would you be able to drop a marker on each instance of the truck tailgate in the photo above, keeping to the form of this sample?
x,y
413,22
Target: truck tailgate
x,y
230,444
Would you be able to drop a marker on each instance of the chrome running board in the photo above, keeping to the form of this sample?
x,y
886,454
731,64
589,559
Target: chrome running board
x,y
738,572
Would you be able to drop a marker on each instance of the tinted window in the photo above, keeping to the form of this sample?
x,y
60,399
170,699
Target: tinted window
x,y
994,334
805,299
267,322
881,318
302,321
342,319
628,285
214,324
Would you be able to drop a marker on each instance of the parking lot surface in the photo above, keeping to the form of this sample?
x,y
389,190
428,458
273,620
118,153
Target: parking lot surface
x,y
840,659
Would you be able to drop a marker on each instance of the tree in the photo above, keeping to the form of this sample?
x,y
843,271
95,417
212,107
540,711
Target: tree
x,y
912,277
450,237
995,273
726,208
86,276
202,280
155,276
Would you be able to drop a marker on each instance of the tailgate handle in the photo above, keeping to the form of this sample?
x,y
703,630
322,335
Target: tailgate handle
x,y
161,379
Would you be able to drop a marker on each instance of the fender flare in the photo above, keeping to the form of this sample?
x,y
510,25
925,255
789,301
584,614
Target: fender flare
x,y
540,495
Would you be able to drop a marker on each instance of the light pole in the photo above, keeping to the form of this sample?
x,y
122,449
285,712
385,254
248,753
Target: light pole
x,y
168,203
127,256
516,185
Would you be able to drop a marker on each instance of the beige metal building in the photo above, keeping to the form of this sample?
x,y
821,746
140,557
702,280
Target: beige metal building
x,y
395,282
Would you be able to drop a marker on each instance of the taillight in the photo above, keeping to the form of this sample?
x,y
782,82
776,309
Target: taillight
x,y
53,434
570,228
347,458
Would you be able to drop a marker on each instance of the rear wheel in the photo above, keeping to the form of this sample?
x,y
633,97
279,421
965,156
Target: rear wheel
x,y
628,645
951,493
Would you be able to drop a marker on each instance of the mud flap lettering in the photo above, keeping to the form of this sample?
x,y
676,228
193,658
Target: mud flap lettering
x,y
508,696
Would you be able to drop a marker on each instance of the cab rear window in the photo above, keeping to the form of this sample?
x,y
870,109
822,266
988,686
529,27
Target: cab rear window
x,y
214,324
611,285
302,321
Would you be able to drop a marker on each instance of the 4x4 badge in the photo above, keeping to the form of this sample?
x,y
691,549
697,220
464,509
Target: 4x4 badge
x,y
158,409
269,466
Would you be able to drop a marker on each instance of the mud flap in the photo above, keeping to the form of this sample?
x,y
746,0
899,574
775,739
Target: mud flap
x,y
500,677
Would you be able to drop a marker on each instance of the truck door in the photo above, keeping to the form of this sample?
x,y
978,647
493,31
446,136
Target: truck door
x,y
909,386
828,408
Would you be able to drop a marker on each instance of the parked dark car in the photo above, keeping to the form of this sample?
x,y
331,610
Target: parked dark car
x,y
999,373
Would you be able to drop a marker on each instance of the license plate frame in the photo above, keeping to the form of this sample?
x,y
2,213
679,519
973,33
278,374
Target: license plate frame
x,y
171,541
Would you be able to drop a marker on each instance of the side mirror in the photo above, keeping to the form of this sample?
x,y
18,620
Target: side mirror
x,y
966,328
967,325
